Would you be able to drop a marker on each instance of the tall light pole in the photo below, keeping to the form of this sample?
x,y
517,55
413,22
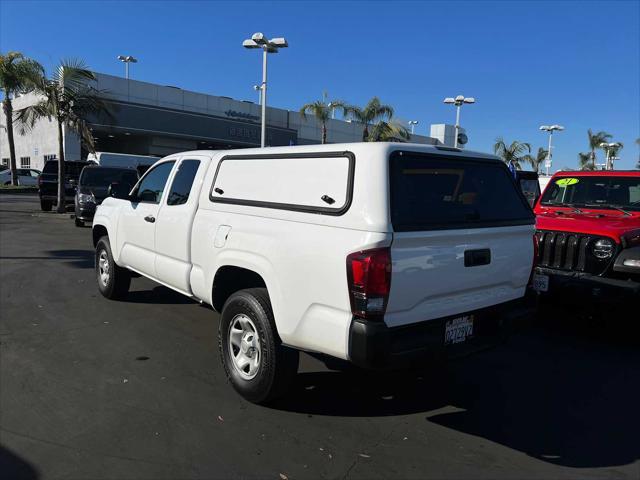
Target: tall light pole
x,y
258,40
413,123
127,59
458,102
550,129
607,147
333,109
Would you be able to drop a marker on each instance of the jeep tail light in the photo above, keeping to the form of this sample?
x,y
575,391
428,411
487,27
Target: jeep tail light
x,y
369,279
39,180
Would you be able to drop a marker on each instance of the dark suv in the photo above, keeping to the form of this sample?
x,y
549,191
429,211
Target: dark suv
x,y
48,182
93,187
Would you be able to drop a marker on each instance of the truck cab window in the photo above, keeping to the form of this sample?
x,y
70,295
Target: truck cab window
x,y
182,182
152,185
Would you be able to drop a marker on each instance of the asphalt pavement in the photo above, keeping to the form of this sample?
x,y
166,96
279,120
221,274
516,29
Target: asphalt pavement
x,y
98,389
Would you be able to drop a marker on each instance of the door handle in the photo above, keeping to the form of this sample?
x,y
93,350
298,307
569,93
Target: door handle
x,y
150,218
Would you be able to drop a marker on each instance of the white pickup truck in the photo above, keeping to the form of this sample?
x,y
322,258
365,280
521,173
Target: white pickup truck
x,y
375,253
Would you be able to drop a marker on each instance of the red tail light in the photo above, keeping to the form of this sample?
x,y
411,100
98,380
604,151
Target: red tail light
x,y
369,278
39,180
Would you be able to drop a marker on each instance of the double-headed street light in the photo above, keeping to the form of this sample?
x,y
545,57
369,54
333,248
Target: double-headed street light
x,y
608,147
127,59
550,129
458,102
258,40
413,123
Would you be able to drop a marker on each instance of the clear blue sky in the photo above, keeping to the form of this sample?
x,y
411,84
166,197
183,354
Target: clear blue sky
x,y
526,63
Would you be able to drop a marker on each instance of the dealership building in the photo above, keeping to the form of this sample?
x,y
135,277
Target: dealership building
x,y
150,119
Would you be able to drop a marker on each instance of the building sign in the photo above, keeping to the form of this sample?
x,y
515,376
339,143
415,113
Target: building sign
x,y
244,132
246,116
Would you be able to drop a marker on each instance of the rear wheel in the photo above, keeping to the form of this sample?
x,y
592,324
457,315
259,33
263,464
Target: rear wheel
x,y
256,363
45,205
113,281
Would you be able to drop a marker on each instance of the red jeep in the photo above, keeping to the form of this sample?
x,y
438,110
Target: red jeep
x,y
588,235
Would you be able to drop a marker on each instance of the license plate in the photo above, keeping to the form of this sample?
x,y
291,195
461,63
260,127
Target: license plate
x,y
458,329
540,283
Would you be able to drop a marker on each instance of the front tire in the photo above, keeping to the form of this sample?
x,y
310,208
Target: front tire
x,y
113,281
45,205
256,363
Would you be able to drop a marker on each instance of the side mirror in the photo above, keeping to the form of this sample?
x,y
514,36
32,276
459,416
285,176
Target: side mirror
x,y
119,190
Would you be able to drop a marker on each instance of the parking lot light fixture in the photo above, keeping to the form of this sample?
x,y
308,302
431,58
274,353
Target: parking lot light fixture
x,y
127,59
258,40
413,123
550,129
458,102
608,147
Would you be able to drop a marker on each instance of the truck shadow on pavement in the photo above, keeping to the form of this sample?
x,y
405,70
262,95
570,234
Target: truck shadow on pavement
x,y
554,395
15,468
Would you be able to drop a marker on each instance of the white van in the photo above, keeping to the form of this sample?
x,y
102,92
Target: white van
x,y
123,160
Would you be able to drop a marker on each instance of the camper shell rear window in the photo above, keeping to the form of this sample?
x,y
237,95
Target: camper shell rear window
x,y
431,192
319,183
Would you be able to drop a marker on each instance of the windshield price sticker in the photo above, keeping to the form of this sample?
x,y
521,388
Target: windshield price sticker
x,y
565,182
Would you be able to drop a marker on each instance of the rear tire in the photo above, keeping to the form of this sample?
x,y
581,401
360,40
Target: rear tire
x,y
113,281
79,223
256,363
45,205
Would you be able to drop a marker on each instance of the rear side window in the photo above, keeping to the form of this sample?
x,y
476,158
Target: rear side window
x,y
182,182
436,192
314,183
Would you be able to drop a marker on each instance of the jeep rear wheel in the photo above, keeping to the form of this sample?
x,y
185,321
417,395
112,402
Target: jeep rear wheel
x,y
256,363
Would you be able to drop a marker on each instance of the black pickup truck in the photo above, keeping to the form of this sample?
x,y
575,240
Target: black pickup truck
x,y
48,182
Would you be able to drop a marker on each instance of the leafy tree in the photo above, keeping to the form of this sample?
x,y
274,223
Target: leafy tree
x,y
369,115
595,139
17,75
322,111
67,98
538,160
516,153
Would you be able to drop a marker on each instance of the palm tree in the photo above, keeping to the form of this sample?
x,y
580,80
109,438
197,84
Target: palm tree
x,y
322,111
372,113
69,100
388,132
513,154
17,75
585,161
595,139
538,160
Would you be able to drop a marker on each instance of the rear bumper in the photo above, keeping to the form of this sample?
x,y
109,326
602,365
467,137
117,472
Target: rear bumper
x,y
68,198
586,286
374,345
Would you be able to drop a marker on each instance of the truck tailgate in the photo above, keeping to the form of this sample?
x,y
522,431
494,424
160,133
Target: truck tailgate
x,y
463,236
446,272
